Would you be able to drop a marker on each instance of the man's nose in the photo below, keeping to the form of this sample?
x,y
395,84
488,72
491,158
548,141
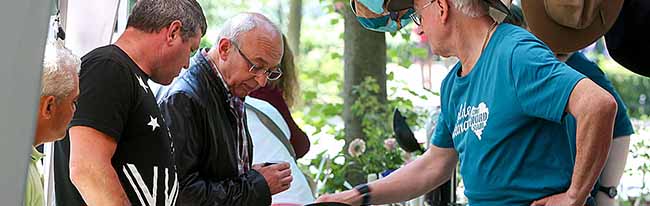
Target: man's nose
x,y
261,80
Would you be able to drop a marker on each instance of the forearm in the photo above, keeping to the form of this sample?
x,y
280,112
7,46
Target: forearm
x,y
424,174
98,184
413,180
593,139
249,189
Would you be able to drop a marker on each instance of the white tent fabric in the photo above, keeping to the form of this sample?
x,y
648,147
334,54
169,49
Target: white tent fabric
x,y
90,24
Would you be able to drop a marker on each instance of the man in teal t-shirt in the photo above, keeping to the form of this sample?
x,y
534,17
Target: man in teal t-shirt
x,y
503,118
501,112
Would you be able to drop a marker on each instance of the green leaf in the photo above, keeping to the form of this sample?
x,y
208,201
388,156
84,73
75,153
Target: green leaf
x,y
390,76
334,21
309,95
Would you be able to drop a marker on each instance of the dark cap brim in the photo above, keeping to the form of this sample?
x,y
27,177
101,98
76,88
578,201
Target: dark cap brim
x,y
398,5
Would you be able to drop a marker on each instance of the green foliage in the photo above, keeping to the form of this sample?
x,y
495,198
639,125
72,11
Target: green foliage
x,y
633,88
376,125
640,153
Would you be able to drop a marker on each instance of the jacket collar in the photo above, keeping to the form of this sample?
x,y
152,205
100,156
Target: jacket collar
x,y
202,61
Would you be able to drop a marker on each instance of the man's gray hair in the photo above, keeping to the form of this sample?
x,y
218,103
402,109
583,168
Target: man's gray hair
x,y
471,8
242,23
60,66
153,15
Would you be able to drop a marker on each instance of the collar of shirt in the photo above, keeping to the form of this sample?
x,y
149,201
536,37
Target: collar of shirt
x,y
204,52
36,155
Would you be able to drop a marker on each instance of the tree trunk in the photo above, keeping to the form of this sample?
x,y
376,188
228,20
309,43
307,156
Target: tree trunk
x,y
364,55
295,19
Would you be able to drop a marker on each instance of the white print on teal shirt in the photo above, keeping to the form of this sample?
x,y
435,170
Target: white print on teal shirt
x,y
472,117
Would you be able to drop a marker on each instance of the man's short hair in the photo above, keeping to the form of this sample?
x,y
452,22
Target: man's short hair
x,y
472,8
153,15
60,66
242,23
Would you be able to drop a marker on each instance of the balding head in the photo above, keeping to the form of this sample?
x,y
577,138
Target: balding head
x,y
248,47
258,24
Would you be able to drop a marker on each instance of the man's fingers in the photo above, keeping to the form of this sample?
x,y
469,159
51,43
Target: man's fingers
x,y
284,173
282,166
286,180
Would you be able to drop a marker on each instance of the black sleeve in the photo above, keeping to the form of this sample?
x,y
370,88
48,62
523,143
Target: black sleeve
x,y
105,97
185,122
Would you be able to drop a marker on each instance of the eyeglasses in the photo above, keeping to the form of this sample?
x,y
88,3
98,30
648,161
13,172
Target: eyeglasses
x,y
416,17
273,73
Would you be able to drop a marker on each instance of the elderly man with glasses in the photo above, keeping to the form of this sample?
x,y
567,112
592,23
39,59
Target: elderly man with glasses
x,y
502,107
204,111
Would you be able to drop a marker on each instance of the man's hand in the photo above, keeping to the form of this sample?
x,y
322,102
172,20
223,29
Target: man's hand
x,y
350,197
562,199
277,176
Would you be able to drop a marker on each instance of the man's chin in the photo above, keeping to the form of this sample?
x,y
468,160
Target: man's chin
x,y
163,82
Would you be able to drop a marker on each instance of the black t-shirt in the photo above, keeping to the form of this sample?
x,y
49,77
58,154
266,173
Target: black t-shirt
x,y
115,99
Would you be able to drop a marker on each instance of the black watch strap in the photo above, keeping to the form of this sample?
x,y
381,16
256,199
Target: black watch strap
x,y
610,191
365,193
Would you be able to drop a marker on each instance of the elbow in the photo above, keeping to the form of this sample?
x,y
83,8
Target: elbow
x,y
607,107
77,173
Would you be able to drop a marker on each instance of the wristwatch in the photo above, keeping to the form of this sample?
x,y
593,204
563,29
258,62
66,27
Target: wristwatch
x,y
364,190
610,191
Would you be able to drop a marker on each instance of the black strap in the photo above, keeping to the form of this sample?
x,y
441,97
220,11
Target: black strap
x,y
275,129
364,190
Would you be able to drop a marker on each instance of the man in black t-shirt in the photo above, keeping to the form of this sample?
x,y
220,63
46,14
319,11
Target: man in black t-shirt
x,y
119,151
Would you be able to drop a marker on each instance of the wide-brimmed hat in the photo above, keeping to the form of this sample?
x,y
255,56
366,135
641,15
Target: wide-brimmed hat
x,y
570,25
626,41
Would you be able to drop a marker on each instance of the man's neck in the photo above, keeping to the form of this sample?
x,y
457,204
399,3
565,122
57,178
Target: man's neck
x,y
138,46
213,54
470,38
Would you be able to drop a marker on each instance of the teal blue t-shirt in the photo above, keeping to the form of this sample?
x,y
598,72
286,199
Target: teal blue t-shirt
x,y
503,119
622,123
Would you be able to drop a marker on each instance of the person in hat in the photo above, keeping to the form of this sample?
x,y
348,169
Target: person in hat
x,y
502,107
605,189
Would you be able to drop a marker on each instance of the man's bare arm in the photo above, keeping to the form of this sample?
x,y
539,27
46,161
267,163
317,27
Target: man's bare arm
x,y
91,170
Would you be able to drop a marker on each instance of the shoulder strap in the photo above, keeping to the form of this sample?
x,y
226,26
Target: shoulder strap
x,y
274,128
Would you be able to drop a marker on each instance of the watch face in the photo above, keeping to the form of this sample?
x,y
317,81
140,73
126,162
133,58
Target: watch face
x,y
612,192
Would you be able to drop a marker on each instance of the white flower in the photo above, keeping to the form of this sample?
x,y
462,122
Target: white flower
x,y
356,147
390,144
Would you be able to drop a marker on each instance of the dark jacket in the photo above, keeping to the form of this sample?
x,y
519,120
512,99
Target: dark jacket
x,y
204,131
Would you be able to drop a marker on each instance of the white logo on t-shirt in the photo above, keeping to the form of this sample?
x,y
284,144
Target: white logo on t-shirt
x,y
149,196
471,117
142,84
153,122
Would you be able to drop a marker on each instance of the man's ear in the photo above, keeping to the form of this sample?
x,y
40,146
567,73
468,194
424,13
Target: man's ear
x,y
444,10
174,31
47,107
224,46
